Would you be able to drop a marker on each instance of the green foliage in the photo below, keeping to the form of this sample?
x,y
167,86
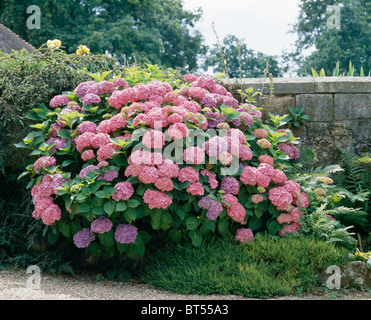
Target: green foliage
x,y
263,268
297,117
153,31
241,61
354,178
321,225
336,72
345,197
352,42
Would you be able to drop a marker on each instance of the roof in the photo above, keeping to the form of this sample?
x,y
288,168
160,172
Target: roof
x,y
10,41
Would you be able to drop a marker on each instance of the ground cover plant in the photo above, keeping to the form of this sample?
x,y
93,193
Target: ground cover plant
x,y
263,268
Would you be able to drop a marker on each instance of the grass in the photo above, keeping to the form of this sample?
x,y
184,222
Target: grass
x,y
264,268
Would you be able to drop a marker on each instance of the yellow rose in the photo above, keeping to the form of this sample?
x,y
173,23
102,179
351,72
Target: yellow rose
x,y
82,49
54,44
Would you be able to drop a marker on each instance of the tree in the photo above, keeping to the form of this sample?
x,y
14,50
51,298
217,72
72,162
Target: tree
x,y
351,42
241,61
155,31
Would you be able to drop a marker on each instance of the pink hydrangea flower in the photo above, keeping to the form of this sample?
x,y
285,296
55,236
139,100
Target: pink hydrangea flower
x,y
156,199
235,210
194,155
120,82
245,153
196,189
106,86
104,127
213,182
91,98
164,184
44,162
105,152
51,214
197,92
133,170
244,235
178,131
84,141
290,228
82,89
262,180
225,158
175,118
144,157
101,225
266,159
59,101
87,155
190,77
249,175
142,118
99,140
148,175
168,169
266,169
117,122
260,133
292,187
188,174
257,198
304,200
279,177
153,139
284,218
87,126
264,143
280,198
295,214
124,191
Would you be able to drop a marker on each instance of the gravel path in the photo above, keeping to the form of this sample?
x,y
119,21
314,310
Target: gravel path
x,y
13,286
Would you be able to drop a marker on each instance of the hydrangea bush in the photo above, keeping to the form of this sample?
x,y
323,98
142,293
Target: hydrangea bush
x,y
118,162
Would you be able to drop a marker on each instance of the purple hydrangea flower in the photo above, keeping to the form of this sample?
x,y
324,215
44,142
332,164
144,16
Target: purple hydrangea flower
x,y
110,175
230,185
126,233
86,170
101,225
216,118
60,143
213,207
83,238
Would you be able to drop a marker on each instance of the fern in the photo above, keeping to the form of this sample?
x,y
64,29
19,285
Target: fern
x,y
349,216
352,178
322,226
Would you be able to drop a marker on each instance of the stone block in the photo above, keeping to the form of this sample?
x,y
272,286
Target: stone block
x,y
277,105
352,106
342,84
319,107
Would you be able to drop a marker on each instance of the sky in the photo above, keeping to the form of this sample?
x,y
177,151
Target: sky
x,y
262,24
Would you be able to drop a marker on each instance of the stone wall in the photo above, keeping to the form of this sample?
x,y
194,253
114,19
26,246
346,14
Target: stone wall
x,y
339,110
